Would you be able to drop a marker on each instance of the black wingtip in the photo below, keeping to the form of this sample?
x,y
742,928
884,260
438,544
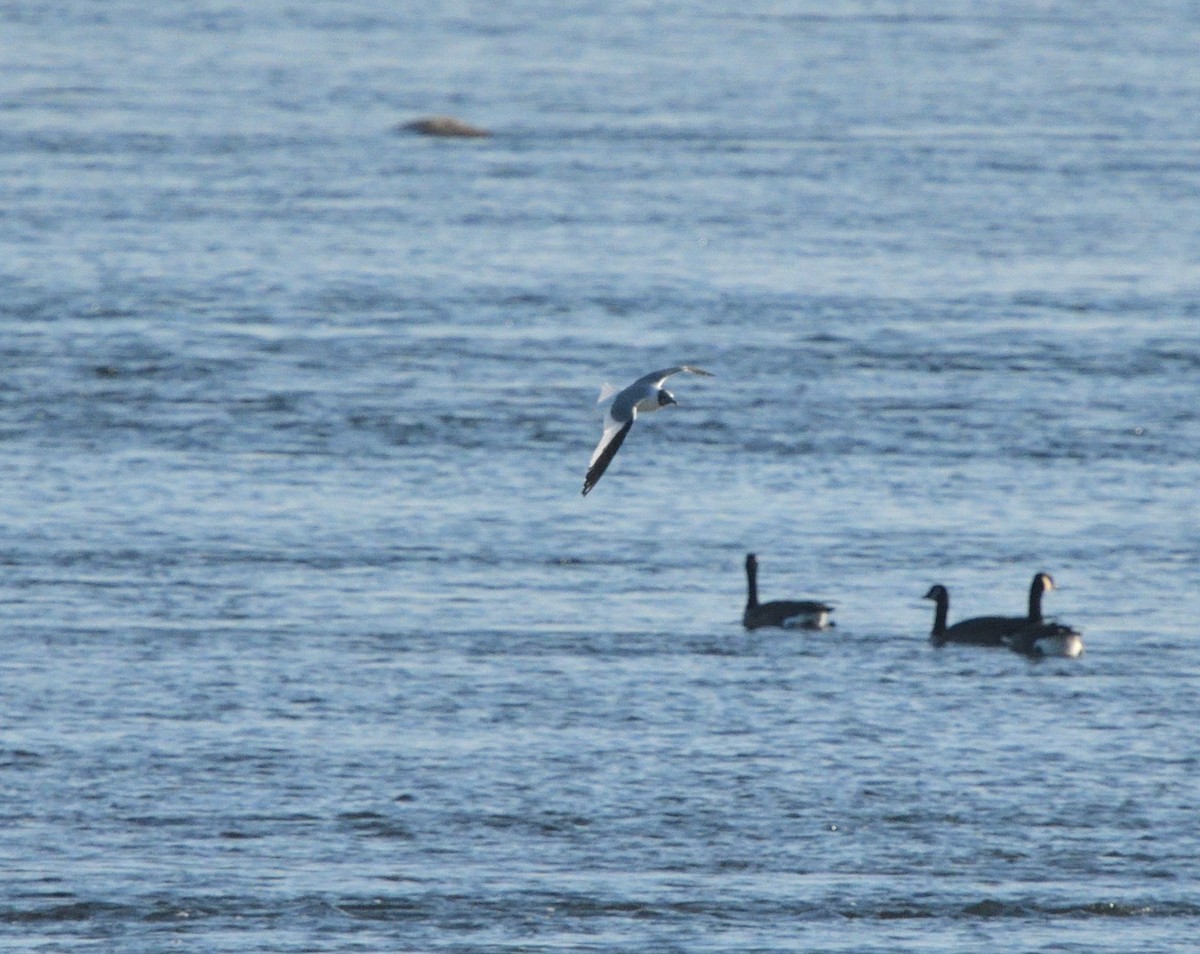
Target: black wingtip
x,y
592,477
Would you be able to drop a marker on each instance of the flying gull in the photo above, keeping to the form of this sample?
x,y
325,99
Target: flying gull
x,y
645,394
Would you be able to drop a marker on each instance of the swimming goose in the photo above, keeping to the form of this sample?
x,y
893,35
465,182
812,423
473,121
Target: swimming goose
x,y
645,394
790,614
986,630
1047,639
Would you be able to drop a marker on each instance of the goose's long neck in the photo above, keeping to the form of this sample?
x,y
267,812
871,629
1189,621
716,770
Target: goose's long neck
x,y
751,586
1035,600
939,616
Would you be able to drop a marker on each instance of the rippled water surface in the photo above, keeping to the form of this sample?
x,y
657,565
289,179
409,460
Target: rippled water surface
x,y
311,642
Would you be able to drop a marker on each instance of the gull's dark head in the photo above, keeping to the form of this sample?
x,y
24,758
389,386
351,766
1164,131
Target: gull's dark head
x,y
665,397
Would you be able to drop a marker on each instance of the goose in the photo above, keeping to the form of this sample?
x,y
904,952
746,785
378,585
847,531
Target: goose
x,y
790,614
645,394
985,630
1047,639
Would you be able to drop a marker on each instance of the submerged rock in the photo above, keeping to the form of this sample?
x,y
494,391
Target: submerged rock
x,y
443,126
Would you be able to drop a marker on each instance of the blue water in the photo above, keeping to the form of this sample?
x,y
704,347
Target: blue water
x,y
310,641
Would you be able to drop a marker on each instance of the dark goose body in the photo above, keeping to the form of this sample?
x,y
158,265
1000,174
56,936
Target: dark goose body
x,y
986,630
788,614
1047,639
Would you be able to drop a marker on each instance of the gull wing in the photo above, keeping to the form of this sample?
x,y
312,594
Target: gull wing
x,y
656,378
610,442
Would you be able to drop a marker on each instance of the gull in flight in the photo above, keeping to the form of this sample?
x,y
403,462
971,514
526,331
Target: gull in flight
x,y
645,394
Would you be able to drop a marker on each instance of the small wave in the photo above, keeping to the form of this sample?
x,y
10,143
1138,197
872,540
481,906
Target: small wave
x,y
993,908
375,825
19,758
65,912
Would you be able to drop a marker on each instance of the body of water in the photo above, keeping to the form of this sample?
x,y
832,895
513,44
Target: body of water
x,y
310,641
